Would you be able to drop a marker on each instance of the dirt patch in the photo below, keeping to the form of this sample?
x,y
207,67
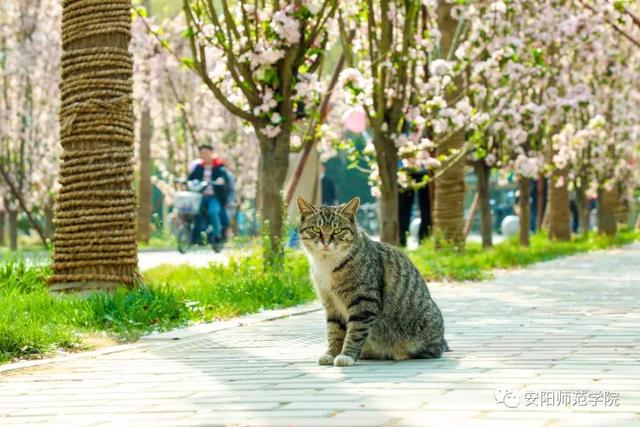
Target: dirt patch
x,y
98,341
90,342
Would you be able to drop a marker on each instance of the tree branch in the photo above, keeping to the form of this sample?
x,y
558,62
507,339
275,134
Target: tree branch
x,y
635,19
251,92
23,205
324,110
200,63
176,95
613,25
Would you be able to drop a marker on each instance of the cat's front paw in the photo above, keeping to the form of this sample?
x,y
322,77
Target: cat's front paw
x,y
325,359
344,360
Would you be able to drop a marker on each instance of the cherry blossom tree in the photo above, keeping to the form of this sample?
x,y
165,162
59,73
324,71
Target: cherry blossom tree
x,y
383,84
622,16
406,75
259,59
540,74
598,145
499,71
183,111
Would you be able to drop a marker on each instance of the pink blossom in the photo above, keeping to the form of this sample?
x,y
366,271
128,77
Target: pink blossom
x,y
286,27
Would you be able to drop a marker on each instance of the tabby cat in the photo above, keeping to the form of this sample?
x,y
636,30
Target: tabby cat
x,y
376,302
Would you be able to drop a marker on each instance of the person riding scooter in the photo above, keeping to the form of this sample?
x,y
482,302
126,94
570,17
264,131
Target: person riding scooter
x,y
211,169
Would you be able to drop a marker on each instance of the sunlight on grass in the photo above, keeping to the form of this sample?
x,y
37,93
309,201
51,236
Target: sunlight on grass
x,y
240,287
477,264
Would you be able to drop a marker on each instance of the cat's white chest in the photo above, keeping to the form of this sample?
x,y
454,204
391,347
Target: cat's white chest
x,y
322,274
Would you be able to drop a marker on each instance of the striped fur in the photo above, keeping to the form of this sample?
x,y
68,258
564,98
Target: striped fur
x,y
377,304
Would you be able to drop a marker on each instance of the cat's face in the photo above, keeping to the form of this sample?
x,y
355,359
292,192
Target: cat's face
x,y
327,231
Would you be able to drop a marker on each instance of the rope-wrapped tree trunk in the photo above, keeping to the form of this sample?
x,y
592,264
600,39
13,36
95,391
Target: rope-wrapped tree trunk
x,y
95,238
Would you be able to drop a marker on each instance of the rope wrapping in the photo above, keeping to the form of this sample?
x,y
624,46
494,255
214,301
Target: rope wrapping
x,y
95,238
99,234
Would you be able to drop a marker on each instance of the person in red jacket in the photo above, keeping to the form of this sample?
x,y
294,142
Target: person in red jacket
x,y
211,169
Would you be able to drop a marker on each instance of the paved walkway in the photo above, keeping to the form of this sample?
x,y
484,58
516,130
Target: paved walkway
x,y
569,326
147,258
195,258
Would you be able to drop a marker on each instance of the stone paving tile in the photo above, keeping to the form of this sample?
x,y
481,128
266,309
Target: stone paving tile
x,y
566,325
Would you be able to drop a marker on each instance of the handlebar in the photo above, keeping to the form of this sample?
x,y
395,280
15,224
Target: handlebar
x,y
198,186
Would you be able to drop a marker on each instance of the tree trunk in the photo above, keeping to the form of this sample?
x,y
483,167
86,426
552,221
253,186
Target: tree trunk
x,y
145,188
95,239
622,210
540,207
525,210
12,223
486,229
607,202
448,210
559,213
583,210
389,225
48,222
3,219
387,159
274,163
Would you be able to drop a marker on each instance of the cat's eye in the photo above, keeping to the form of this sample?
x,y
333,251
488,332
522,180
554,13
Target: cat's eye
x,y
340,232
316,230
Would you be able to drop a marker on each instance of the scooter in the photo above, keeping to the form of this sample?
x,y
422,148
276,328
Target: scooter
x,y
187,207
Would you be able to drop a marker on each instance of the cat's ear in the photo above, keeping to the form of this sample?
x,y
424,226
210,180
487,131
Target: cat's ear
x,y
305,207
351,208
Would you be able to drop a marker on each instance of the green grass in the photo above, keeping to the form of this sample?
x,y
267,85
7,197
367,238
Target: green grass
x,y
160,241
477,264
33,322
240,287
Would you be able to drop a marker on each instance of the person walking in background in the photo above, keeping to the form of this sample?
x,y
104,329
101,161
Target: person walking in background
x,y
329,195
533,185
405,207
575,215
